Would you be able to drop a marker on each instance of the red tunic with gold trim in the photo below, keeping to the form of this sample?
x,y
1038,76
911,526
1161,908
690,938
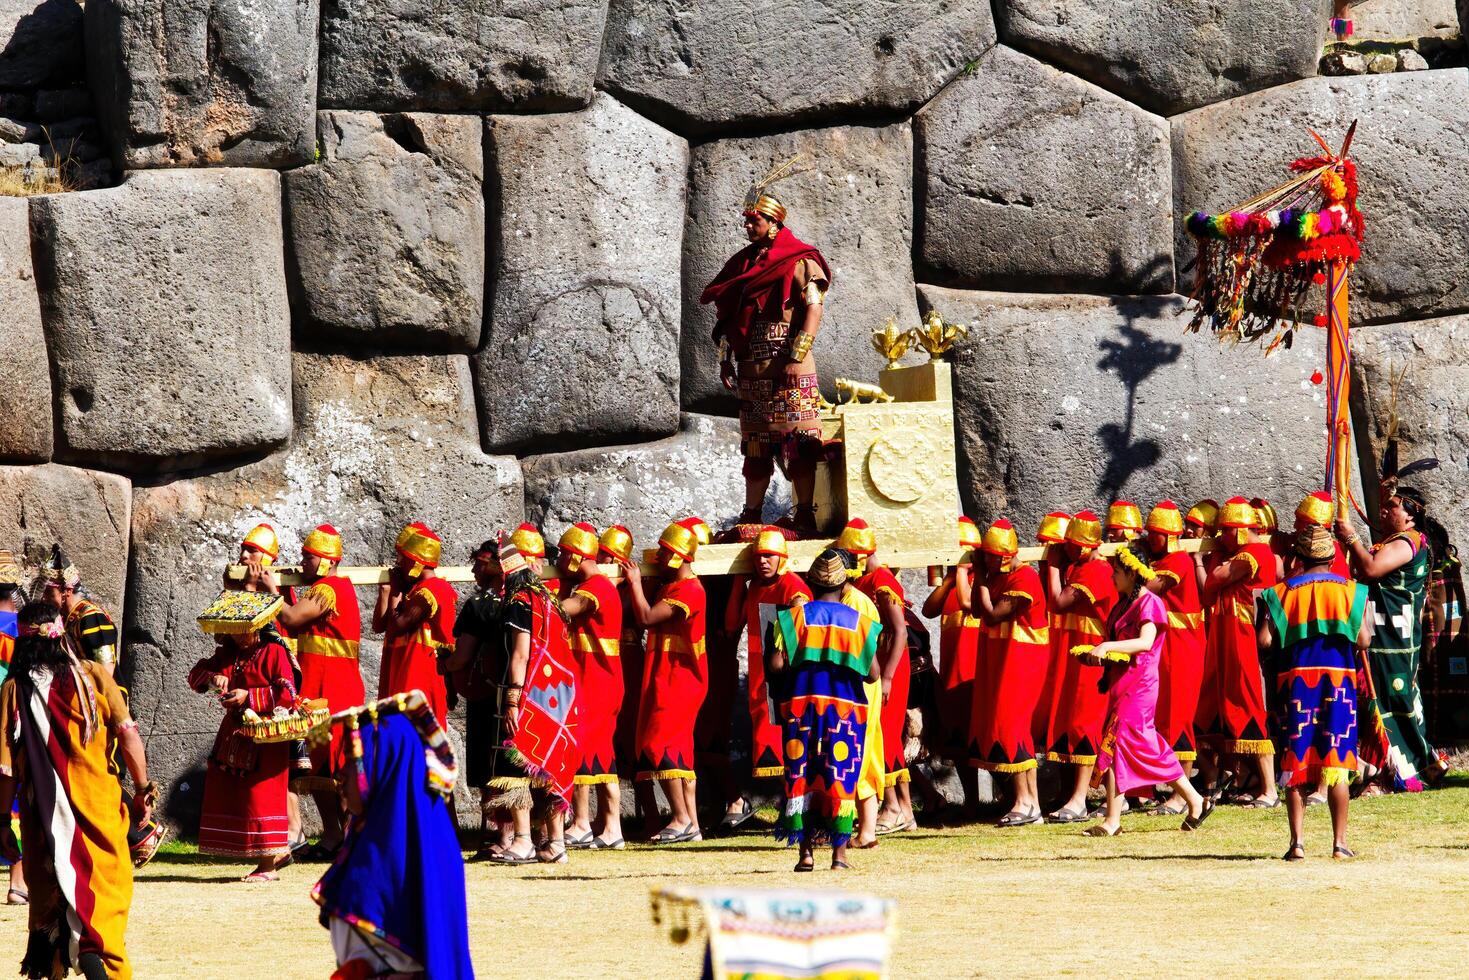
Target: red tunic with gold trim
x,y
895,712
1181,670
410,661
959,642
1078,709
765,735
327,649
244,810
596,642
1013,656
625,739
1232,702
675,680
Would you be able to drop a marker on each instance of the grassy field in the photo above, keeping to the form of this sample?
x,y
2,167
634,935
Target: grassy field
x,y
1041,901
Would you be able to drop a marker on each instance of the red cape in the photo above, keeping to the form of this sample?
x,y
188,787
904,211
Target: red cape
x,y
752,281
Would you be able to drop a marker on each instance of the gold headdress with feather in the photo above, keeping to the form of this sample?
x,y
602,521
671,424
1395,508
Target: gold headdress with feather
x,y
759,202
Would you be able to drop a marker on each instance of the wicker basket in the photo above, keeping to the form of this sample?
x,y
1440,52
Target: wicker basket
x,y
292,728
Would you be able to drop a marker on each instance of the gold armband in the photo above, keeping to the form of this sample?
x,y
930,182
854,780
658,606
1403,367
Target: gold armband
x,y
812,294
801,346
723,348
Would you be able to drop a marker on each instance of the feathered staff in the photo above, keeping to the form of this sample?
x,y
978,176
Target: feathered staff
x,y
1258,261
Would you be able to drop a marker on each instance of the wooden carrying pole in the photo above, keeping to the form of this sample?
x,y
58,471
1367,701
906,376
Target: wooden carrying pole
x,y
713,559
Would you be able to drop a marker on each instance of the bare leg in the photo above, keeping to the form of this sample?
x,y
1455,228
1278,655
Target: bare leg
x,y
866,821
905,802
268,865
329,805
1266,766
892,809
1026,797
293,817
691,804
1113,820
1184,790
755,488
647,803
18,877
803,489
1295,812
520,843
838,856
610,806
678,816
581,812
1339,798
1076,802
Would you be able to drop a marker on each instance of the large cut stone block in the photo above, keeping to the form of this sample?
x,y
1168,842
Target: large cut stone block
x,y
647,486
1432,406
40,43
711,67
165,305
852,198
188,83
1069,402
1411,157
1033,179
379,443
25,434
85,512
387,231
1172,55
471,54
583,336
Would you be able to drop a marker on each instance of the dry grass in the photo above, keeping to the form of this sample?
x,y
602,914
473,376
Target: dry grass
x,y
30,181
1043,901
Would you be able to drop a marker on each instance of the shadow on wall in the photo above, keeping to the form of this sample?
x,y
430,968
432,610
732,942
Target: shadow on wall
x,y
1134,357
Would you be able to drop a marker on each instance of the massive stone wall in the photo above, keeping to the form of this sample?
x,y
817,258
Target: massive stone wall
x,y
371,261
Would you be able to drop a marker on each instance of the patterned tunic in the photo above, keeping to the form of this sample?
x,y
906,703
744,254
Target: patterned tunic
x,y
1397,645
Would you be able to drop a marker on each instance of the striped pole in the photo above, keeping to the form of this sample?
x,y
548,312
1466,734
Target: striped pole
x,y
1338,386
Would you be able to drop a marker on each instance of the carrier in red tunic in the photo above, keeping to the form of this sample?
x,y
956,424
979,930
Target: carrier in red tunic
x,y
410,661
327,650
1078,709
1232,702
1012,670
959,641
895,766
675,680
596,642
244,813
765,735
1181,669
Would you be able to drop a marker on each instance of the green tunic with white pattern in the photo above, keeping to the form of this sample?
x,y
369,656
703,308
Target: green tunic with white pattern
x,y
1397,644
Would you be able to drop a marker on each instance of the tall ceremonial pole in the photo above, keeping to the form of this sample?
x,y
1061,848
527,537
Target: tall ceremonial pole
x,y
1339,385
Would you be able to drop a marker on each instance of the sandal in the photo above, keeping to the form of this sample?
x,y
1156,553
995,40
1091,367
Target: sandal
x,y
1296,852
883,829
1194,823
1258,803
598,844
256,877
734,821
1222,787
1315,799
1020,818
317,854
581,843
868,846
806,864
556,849
1168,810
1340,852
18,896
1067,816
506,856
840,866
1100,830
670,836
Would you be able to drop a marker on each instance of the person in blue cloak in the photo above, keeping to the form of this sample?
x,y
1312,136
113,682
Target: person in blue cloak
x,y
394,897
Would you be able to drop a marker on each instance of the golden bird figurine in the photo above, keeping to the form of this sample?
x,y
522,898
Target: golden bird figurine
x,y
891,342
936,336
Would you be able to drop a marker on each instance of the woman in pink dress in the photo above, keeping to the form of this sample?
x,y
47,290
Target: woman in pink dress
x,y
1133,755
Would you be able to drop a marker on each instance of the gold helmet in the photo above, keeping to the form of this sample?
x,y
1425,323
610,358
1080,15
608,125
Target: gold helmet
x,y
324,542
700,529
681,544
857,538
1238,514
1084,529
262,539
1317,509
1125,516
1000,540
617,542
580,540
1266,512
528,541
1204,514
969,536
1167,520
1053,527
759,202
419,544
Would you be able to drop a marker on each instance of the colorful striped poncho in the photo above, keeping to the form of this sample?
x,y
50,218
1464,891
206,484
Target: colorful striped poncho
x,y
829,649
